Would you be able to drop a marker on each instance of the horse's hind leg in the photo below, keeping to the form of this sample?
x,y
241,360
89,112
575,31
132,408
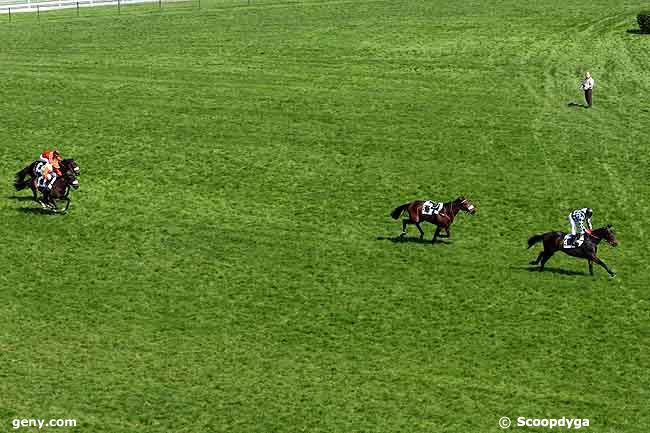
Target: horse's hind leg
x,y
544,260
539,257
591,267
404,223
34,192
47,201
420,229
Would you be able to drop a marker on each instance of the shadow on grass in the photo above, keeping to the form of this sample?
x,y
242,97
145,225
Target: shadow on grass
x,y
21,198
39,211
551,270
634,32
575,104
403,240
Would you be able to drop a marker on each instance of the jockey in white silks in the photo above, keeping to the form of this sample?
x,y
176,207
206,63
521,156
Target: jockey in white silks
x,y
580,220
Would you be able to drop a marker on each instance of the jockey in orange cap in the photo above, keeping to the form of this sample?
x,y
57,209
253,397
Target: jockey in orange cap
x,y
49,168
53,157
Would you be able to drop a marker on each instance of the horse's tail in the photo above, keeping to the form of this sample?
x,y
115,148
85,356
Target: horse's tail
x,y
533,240
398,210
24,172
20,183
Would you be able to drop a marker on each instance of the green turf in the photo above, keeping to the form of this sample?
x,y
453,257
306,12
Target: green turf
x,y
227,265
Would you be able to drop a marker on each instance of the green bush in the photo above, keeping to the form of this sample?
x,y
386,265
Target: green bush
x,y
644,21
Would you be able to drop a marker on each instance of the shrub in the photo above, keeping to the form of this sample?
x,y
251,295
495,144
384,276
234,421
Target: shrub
x,y
644,21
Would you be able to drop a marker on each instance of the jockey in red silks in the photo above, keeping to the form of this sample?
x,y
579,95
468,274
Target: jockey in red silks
x,y
49,168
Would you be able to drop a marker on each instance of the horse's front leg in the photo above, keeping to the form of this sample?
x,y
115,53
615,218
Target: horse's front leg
x,y
601,263
448,235
435,235
591,267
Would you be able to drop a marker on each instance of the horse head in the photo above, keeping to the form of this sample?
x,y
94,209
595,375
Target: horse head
x,y
606,233
70,165
466,205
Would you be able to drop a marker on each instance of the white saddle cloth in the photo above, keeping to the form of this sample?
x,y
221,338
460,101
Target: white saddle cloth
x,y
430,207
567,241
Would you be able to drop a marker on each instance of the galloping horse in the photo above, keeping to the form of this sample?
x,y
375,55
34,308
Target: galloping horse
x,y
553,241
60,188
442,220
31,173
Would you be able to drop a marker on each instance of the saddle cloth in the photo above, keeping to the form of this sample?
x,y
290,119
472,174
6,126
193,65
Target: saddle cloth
x,y
38,169
430,207
567,241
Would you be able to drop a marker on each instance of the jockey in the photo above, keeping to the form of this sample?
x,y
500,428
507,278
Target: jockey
x,y
48,169
578,218
53,157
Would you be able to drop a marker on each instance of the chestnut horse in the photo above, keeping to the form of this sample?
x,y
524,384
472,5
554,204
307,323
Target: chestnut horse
x,y
553,241
442,220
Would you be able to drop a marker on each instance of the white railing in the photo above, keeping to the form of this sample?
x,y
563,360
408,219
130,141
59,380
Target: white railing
x,y
8,7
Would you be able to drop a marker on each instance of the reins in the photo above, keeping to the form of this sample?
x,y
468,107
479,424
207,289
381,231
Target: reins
x,y
594,236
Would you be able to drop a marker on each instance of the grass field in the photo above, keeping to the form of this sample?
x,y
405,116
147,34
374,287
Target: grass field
x,y
228,264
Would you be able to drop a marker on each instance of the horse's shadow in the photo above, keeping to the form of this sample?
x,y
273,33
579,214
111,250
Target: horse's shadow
x,y
21,198
401,240
39,211
551,270
575,104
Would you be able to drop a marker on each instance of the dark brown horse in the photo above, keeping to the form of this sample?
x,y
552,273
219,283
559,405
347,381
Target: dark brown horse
x,y
25,176
442,219
60,188
553,241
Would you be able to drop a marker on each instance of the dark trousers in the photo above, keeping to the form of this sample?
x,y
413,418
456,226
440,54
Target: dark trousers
x,y
588,97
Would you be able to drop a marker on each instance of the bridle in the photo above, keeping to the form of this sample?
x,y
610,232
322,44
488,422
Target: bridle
x,y
470,207
599,238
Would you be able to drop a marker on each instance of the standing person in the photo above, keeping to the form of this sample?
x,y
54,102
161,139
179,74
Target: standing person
x,y
588,86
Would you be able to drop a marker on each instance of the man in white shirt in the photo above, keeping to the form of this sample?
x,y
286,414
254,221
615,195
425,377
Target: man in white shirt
x,y
587,86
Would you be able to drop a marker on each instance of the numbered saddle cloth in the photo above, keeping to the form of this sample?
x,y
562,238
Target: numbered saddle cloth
x,y
37,170
430,207
568,241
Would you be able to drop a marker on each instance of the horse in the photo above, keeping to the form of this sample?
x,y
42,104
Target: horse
x,y
31,171
60,188
442,220
553,241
